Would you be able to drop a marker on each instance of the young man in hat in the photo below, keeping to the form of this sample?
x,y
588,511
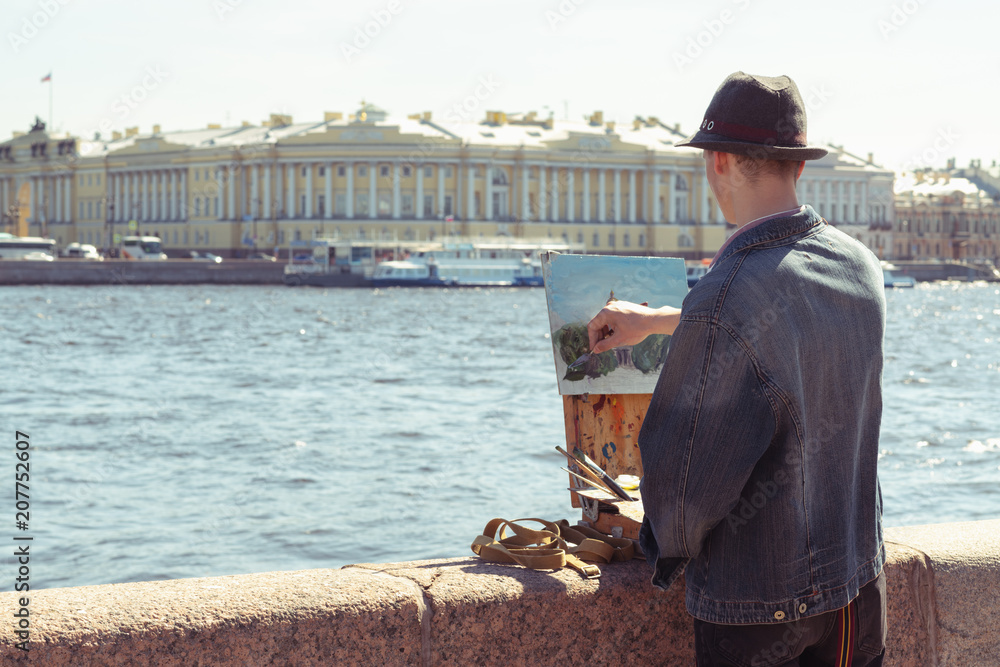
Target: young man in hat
x,y
760,445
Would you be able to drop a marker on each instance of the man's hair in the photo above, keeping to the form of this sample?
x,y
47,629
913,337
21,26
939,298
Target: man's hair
x,y
754,168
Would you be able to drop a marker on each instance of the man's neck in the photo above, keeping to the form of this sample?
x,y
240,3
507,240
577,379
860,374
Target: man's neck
x,y
763,201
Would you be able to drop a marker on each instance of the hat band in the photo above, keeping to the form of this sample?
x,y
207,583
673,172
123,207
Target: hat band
x,y
747,133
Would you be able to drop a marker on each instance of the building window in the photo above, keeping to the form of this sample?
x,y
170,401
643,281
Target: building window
x,y
216,207
626,240
407,205
406,171
579,237
383,171
281,237
428,172
477,208
362,170
340,204
384,204
533,173
611,239
90,210
98,179
302,204
321,205
298,234
81,183
197,206
361,203
844,208
185,237
322,171
303,172
821,211
448,172
90,180
447,205
97,206
642,240
341,171
597,240
196,175
428,206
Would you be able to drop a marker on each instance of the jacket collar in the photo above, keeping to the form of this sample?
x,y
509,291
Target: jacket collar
x,y
773,229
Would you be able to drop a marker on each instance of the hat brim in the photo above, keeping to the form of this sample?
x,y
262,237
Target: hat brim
x,y
724,144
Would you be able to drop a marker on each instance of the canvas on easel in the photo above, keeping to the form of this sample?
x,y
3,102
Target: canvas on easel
x,y
605,399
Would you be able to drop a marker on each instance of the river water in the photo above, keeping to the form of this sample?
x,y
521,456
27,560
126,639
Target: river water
x,y
184,431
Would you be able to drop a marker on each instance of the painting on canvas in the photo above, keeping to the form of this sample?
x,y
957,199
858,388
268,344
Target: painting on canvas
x,y
577,287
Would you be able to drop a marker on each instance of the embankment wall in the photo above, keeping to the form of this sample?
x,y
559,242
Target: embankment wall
x,y
943,584
126,272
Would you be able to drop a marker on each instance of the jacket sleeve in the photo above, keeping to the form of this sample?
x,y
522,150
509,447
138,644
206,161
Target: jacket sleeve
x,y
708,424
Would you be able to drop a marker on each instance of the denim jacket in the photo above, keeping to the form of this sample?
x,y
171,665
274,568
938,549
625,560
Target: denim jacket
x,y
760,446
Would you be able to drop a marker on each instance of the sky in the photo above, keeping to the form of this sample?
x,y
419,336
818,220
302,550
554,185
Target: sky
x,y
913,82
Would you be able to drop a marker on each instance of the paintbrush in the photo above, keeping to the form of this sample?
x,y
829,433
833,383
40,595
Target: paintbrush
x,y
604,477
583,468
588,482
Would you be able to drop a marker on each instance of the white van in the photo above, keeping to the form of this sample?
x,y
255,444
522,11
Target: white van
x,y
142,247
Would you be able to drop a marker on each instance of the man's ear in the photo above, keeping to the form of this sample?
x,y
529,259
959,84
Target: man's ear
x,y
722,163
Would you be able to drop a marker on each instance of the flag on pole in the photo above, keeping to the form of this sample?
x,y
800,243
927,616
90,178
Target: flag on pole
x,y
47,77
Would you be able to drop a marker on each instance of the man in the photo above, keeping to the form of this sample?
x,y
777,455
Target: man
x,y
760,445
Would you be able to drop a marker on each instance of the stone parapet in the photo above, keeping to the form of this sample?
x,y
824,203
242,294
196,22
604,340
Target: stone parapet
x,y
943,584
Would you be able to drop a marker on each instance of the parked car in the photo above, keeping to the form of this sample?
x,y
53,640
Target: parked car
x,y
264,256
205,257
81,251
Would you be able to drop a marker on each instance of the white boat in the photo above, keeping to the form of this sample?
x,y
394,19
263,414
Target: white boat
x,y
895,280
451,263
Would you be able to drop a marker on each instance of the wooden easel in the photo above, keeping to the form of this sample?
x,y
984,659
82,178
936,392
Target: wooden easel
x,y
606,428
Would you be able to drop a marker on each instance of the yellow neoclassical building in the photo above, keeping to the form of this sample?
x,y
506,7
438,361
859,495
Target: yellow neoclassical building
x,y
613,188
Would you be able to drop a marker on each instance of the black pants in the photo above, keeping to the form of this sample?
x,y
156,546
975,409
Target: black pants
x,y
854,635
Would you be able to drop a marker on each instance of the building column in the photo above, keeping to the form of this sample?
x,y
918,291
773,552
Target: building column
x,y
290,209
172,198
525,199
396,196
489,193
349,209
602,195
440,198
829,200
182,177
586,194
543,194
631,195
554,199
254,191
231,195
570,195
852,202
328,193
267,191
144,196
57,198
164,193
372,190
670,196
616,174
279,186
117,179
310,168
419,203
865,216
470,203
125,206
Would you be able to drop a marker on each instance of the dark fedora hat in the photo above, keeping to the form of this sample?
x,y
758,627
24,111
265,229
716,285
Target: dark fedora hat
x,y
758,116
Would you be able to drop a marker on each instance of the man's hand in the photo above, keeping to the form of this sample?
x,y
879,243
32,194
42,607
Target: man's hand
x,y
623,323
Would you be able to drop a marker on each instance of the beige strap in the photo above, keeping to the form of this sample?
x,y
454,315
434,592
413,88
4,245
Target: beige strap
x,y
549,548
